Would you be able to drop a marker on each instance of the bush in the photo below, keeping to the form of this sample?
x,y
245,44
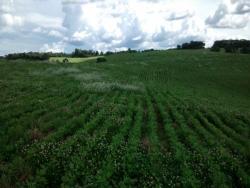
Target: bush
x,y
215,49
65,60
245,50
84,53
192,45
28,56
149,50
233,46
229,49
100,60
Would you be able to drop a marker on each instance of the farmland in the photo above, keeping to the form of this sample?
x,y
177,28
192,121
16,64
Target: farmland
x,y
154,119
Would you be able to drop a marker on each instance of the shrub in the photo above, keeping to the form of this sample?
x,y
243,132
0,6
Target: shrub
x,y
245,50
28,56
65,60
233,46
229,49
192,45
215,49
100,60
84,53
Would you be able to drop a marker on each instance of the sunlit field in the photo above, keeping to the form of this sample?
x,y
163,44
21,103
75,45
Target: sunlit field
x,y
73,59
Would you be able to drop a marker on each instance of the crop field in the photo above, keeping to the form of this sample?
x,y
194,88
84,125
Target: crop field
x,y
73,59
153,119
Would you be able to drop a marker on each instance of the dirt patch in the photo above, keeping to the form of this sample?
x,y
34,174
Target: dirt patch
x,y
145,144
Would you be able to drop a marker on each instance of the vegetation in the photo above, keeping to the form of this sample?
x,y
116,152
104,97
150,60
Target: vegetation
x,y
192,45
78,53
177,118
28,56
232,46
72,59
84,53
100,60
229,46
65,60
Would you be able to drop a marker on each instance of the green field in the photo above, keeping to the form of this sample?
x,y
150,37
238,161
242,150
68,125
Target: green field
x,y
73,59
153,119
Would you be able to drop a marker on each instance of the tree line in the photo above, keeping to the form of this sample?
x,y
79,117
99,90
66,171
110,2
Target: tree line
x,y
232,46
229,46
76,53
85,53
47,55
29,56
192,45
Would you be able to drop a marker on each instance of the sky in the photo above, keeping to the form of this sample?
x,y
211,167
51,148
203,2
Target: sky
x,y
103,25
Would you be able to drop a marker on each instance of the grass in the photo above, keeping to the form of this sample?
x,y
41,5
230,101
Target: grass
x,y
154,119
73,59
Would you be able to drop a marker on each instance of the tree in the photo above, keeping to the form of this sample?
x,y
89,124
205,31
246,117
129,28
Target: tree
x,y
131,51
109,53
84,53
192,45
215,49
100,60
28,56
229,49
149,50
65,60
232,46
245,50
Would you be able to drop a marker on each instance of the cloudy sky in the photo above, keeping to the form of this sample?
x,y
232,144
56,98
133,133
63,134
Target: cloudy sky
x,y
62,25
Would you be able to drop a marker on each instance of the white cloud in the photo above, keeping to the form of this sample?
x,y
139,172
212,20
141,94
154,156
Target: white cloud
x,y
58,25
8,20
241,6
7,17
55,33
80,36
232,14
179,15
43,20
107,25
54,47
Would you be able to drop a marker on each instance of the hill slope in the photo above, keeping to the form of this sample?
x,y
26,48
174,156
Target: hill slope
x,y
167,118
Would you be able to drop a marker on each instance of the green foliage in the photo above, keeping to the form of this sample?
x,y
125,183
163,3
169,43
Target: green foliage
x,y
65,60
245,50
28,56
192,45
232,46
84,53
101,60
177,118
215,49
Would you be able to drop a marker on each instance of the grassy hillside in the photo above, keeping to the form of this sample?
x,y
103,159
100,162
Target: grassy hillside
x,y
162,118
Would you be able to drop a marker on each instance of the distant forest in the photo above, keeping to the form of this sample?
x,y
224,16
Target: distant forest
x,y
232,46
192,45
229,46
